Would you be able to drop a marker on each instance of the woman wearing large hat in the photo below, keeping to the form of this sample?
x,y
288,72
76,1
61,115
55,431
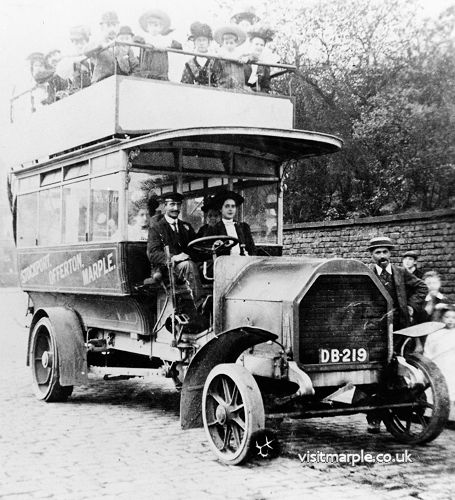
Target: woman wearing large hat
x,y
230,74
227,202
199,70
154,63
257,77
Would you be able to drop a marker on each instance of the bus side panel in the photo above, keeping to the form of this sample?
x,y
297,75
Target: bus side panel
x,y
124,314
87,269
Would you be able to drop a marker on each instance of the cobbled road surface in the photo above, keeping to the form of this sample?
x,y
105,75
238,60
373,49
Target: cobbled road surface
x,y
122,440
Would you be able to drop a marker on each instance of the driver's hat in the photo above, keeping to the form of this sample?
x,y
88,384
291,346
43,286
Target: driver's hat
x,y
172,197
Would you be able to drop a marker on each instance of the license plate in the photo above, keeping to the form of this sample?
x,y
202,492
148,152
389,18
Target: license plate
x,y
346,355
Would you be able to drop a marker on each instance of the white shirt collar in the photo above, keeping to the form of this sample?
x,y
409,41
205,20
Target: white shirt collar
x,y
170,220
388,269
436,296
228,222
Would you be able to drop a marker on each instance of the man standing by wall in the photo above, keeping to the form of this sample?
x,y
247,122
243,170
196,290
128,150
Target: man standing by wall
x,y
407,291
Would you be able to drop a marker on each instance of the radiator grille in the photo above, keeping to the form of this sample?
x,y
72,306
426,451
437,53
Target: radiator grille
x,y
343,312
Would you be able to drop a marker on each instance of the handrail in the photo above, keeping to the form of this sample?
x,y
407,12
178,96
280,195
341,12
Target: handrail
x,y
285,68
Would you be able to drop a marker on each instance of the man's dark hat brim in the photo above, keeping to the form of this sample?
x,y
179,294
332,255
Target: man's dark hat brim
x,y
125,30
172,197
222,196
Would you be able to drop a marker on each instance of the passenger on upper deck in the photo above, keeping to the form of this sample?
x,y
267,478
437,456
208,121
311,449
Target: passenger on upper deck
x,y
258,77
154,63
74,67
228,201
199,70
229,74
40,75
57,86
169,231
103,58
246,19
127,62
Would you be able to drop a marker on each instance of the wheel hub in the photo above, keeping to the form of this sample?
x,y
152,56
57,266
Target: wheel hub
x,y
46,359
221,415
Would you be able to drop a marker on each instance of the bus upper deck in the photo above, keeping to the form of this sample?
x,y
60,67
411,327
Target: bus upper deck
x,y
120,106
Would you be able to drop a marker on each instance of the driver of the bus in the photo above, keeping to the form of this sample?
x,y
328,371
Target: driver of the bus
x,y
228,202
170,231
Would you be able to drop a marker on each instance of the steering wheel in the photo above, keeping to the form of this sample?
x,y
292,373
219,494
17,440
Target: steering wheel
x,y
213,244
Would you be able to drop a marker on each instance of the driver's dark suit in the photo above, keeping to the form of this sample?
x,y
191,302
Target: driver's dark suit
x,y
161,234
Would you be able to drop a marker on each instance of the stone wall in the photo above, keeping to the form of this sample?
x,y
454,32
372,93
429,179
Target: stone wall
x,y
432,234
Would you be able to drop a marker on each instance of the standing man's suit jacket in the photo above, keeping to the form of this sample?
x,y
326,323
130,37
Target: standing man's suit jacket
x,y
162,234
410,290
243,232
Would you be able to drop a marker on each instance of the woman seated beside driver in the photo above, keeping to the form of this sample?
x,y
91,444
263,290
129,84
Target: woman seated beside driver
x,y
227,202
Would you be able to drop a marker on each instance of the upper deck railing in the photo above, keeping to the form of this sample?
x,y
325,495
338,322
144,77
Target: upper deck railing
x,y
120,106
30,96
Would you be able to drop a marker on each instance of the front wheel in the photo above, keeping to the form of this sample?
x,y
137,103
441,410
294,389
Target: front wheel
x,y
44,364
425,421
233,412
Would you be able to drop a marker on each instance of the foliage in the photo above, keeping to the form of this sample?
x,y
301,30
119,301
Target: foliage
x,y
381,76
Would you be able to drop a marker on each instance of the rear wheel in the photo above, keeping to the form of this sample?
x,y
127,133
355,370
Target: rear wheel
x,y
424,422
233,412
44,364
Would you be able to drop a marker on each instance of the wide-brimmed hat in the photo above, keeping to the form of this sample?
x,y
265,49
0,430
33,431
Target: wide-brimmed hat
x,y
158,13
248,13
411,253
79,32
263,32
171,197
110,17
229,29
198,29
380,242
222,196
209,203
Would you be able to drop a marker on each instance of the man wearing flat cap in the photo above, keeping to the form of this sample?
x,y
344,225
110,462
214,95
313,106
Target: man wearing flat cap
x,y
407,291
410,263
170,231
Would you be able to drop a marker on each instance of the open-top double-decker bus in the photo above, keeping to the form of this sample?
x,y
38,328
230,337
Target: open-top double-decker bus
x,y
298,337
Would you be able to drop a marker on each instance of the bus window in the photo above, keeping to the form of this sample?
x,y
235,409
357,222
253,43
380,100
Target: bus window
x,y
103,163
75,212
260,210
27,208
49,217
104,202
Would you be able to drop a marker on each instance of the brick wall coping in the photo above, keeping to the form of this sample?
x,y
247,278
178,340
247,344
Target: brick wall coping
x,y
436,214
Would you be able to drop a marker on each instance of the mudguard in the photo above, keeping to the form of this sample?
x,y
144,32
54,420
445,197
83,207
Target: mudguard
x,y
224,348
69,338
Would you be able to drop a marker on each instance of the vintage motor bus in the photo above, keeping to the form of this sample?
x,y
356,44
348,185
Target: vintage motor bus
x,y
285,337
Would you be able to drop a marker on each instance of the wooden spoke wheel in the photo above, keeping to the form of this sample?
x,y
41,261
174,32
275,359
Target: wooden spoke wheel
x,y
233,412
424,422
44,364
